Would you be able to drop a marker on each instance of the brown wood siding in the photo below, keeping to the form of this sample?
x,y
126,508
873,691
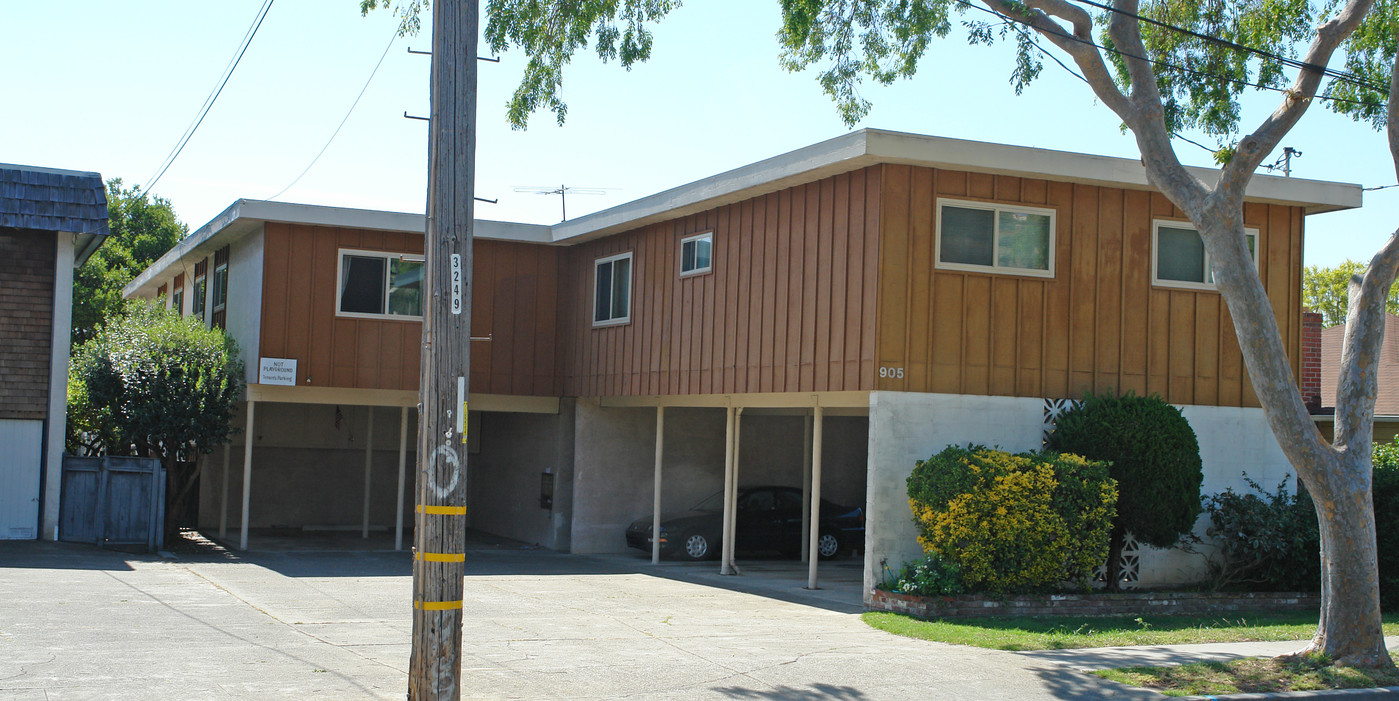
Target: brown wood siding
x,y
1098,325
789,305
26,321
513,305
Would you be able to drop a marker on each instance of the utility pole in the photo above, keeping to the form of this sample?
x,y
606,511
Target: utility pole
x,y
440,522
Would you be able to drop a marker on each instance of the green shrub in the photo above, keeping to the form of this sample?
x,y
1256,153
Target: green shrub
x,y
1012,523
1154,457
1386,495
1267,541
930,576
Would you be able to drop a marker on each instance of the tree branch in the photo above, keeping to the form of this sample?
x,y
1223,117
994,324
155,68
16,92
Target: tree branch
x,y
1038,15
1358,384
1256,146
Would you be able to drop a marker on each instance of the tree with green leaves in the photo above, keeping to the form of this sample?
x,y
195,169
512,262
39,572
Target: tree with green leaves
x,y
143,229
1152,453
151,383
1327,291
1162,67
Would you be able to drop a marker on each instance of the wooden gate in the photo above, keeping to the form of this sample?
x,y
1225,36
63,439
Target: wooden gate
x,y
113,500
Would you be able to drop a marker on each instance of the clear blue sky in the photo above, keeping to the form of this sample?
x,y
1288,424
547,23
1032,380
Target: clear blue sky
x,y
109,86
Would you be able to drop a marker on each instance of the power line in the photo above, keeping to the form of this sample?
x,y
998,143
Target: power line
x,y
209,102
1167,64
348,112
1303,65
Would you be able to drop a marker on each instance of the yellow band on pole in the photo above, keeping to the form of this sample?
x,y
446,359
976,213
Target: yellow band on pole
x,y
437,605
440,557
442,510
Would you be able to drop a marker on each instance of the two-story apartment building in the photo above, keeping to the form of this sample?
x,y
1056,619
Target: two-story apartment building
x,y
821,319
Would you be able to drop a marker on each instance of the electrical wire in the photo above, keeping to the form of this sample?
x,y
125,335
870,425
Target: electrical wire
x,y
1303,65
392,39
213,96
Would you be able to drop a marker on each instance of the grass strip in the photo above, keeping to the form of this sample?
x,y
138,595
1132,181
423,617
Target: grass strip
x,y
1066,632
1252,675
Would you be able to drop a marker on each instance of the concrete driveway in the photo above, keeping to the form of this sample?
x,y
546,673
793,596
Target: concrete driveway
x,y
79,623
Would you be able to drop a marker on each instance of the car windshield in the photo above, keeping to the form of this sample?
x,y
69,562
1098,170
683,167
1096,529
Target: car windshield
x,y
715,503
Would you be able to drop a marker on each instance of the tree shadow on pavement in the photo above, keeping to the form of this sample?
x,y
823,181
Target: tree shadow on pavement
x,y
815,692
1070,684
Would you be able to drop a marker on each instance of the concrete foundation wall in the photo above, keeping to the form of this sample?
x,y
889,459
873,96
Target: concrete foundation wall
x,y
906,427
613,463
504,477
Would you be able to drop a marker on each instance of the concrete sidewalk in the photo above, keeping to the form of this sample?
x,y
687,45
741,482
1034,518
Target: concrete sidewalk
x,y
80,623
1152,655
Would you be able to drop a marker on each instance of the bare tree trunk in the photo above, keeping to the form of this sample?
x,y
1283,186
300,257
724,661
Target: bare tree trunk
x,y
1113,570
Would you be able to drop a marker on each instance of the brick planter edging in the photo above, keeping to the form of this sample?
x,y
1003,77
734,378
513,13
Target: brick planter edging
x,y
1131,603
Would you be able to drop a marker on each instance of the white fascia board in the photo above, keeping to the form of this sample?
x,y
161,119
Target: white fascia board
x,y
245,215
870,146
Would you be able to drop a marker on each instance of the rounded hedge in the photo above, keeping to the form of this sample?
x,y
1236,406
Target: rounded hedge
x,y
1153,455
1013,523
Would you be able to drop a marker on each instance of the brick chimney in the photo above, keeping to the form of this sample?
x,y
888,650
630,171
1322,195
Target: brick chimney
x,y
1311,360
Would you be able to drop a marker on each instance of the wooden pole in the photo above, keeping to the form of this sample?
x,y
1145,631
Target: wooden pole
x,y
815,527
434,670
402,472
656,497
247,476
368,467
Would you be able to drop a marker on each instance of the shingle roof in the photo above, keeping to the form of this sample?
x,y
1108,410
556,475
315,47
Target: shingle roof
x,y
48,199
1387,396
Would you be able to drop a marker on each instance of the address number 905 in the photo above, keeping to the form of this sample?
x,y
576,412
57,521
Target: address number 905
x,y
892,372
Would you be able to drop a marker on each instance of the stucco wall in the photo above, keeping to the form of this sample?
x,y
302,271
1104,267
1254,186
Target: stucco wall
x,y
906,427
504,478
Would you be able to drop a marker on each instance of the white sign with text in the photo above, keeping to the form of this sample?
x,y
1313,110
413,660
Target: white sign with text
x,y
277,371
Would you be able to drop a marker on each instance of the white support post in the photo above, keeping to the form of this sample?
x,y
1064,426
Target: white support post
x,y
656,497
725,565
815,527
806,487
402,471
223,501
732,511
248,437
368,465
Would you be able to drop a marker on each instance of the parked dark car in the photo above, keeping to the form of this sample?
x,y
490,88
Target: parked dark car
x,y
769,519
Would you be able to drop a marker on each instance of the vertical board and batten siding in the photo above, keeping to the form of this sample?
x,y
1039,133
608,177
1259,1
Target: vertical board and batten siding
x,y
1097,325
789,305
513,304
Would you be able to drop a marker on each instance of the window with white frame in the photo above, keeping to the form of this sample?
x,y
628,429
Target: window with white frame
x,y
1179,258
981,236
696,254
220,286
379,284
201,288
612,290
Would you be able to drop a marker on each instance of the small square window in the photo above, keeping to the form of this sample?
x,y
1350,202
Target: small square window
x,y
1179,258
980,236
612,290
696,254
380,284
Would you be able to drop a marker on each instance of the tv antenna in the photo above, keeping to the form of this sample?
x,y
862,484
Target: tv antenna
x,y
563,191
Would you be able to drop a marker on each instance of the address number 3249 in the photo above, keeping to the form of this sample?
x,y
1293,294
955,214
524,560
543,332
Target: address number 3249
x,y
892,372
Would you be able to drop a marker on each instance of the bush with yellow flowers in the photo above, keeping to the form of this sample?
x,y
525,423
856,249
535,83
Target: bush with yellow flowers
x,y
1013,523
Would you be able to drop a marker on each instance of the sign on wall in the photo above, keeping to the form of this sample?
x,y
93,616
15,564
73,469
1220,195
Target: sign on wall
x,y
276,371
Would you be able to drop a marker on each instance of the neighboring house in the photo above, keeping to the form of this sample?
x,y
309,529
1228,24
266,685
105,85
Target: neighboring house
x,y
1387,395
879,295
50,222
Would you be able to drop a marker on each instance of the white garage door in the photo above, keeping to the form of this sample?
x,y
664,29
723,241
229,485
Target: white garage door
x,y
21,452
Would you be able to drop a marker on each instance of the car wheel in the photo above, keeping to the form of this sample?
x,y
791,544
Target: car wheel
x,y
828,546
697,546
